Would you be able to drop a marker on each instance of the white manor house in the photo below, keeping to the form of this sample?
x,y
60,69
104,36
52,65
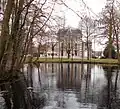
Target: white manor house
x,y
69,43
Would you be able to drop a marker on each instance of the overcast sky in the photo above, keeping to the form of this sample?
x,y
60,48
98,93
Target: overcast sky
x,y
72,19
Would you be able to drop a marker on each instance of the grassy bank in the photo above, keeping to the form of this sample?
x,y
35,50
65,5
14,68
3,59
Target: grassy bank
x,y
65,60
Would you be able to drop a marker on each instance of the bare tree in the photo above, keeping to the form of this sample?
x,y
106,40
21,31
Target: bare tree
x,y
116,29
110,21
22,21
88,27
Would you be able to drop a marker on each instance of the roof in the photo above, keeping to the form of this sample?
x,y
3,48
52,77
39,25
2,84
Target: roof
x,y
69,33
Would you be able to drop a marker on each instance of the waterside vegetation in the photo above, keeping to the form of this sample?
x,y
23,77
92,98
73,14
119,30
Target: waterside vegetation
x,y
71,60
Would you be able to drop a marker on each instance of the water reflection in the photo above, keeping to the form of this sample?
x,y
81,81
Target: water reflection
x,y
110,92
69,76
58,86
14,93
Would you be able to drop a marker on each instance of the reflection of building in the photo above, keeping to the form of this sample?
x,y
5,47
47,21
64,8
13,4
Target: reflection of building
x,y
69,76
88,86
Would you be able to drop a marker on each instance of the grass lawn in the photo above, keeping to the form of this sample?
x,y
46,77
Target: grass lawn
x,y
66,60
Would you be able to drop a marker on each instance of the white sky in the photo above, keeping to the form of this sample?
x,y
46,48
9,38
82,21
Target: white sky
x,y
72,19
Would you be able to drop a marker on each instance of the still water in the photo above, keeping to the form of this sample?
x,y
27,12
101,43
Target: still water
x,y
62,86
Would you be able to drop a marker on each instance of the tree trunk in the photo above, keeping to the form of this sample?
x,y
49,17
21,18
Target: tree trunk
x,y
38,53
53,51
5,31
68,51
15,35
88,57
117,42
110,36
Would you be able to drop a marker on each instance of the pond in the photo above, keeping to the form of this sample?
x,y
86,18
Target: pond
x,y
62,86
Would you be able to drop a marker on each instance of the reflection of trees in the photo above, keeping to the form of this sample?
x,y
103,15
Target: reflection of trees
x,y
69,77
6,96
116,82
15,92
38,98
20,95
76,78
109,98
61,102
29,76
71,74
39,76
85,90
18,90
87,81
60,84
